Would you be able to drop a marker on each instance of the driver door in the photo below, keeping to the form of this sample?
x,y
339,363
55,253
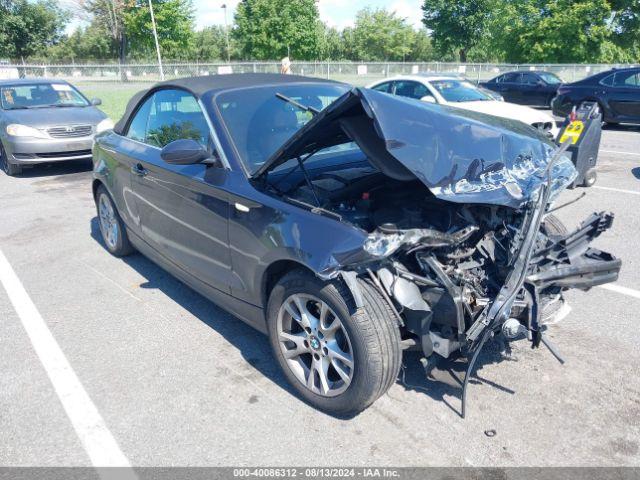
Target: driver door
x,y
624,95
183,209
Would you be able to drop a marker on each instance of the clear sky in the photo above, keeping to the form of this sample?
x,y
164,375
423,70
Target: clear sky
x,y
337,13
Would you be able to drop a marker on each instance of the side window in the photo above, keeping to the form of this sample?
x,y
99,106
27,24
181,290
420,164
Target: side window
x,y
608,81
411,89
499,79
634,80
529,79
138,126
176,115
627,79
512,77
383,87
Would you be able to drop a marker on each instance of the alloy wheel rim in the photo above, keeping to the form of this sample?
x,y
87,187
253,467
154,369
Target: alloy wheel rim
x,y
108,222
315,345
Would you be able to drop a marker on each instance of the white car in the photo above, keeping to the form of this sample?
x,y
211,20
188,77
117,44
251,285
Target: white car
x,y
457,92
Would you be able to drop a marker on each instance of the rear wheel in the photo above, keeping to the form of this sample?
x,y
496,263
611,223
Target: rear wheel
x,y
9,168
112,228
338,358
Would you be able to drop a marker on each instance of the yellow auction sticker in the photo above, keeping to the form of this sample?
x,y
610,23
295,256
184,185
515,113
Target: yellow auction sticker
x,y
572,132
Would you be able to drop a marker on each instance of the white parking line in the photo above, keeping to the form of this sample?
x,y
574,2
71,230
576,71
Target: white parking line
x,y
562,313
619,190
97,440
623,290
620,153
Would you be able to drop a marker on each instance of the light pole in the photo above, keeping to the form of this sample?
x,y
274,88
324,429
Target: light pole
x,y
155,36
226,31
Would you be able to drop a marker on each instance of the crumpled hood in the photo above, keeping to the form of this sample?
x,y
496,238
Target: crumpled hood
x,y
507,110
461,156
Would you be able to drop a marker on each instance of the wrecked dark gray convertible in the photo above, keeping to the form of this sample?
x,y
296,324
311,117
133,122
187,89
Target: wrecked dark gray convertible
x,y
349,224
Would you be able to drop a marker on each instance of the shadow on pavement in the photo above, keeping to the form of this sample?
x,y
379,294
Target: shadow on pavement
x,y
56,168
445,380
446,376
253,345
618,127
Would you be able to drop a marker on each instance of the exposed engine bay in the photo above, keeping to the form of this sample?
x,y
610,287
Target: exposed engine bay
x,y
442,264
460,238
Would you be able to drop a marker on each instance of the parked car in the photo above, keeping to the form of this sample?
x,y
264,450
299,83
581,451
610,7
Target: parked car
x,y
533,88
45,121
459,93
346,223
491,93
617,92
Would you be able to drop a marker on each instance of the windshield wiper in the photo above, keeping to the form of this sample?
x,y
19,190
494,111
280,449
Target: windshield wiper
x,y
305,108
58,105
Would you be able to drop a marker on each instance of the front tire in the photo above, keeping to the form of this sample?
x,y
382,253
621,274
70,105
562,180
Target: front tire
x,y
11,169
554,227
338,358
112,228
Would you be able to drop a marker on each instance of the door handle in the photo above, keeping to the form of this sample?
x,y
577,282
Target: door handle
x,y
139,170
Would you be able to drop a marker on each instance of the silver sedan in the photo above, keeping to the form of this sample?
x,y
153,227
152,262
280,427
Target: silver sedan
x,y
46,121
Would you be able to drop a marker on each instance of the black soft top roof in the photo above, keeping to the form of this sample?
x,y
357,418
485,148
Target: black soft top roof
x,y
198,86
201,85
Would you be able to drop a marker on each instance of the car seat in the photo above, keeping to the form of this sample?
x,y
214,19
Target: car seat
x,y
274,123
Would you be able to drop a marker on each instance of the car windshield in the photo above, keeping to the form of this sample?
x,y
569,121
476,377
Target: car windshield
x,y
550,78
459,91
260,123
40,95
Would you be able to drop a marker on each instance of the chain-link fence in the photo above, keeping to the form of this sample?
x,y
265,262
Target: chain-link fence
x,y
350,72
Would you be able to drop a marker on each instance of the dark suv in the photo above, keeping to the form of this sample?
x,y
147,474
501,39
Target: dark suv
x,y
617,92
534,88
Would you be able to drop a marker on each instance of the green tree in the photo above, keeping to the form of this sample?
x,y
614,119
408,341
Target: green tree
x,y
127,25
625,25
210,43
268,29
557,31
332,45
27,27
458,26
83,44
421,48
380,35
108,16
174,23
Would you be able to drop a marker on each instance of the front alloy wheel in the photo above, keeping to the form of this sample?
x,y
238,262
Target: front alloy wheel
x,y
315,344
338,358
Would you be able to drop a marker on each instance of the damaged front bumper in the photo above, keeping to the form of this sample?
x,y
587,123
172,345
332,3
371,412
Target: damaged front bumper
x,y
543,266
569,262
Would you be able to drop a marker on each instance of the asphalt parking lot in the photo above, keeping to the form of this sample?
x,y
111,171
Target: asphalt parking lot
x,y
177,381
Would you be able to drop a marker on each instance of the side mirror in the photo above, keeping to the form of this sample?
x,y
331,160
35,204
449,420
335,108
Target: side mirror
x,y
96,101
541,83
184,152
428,99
